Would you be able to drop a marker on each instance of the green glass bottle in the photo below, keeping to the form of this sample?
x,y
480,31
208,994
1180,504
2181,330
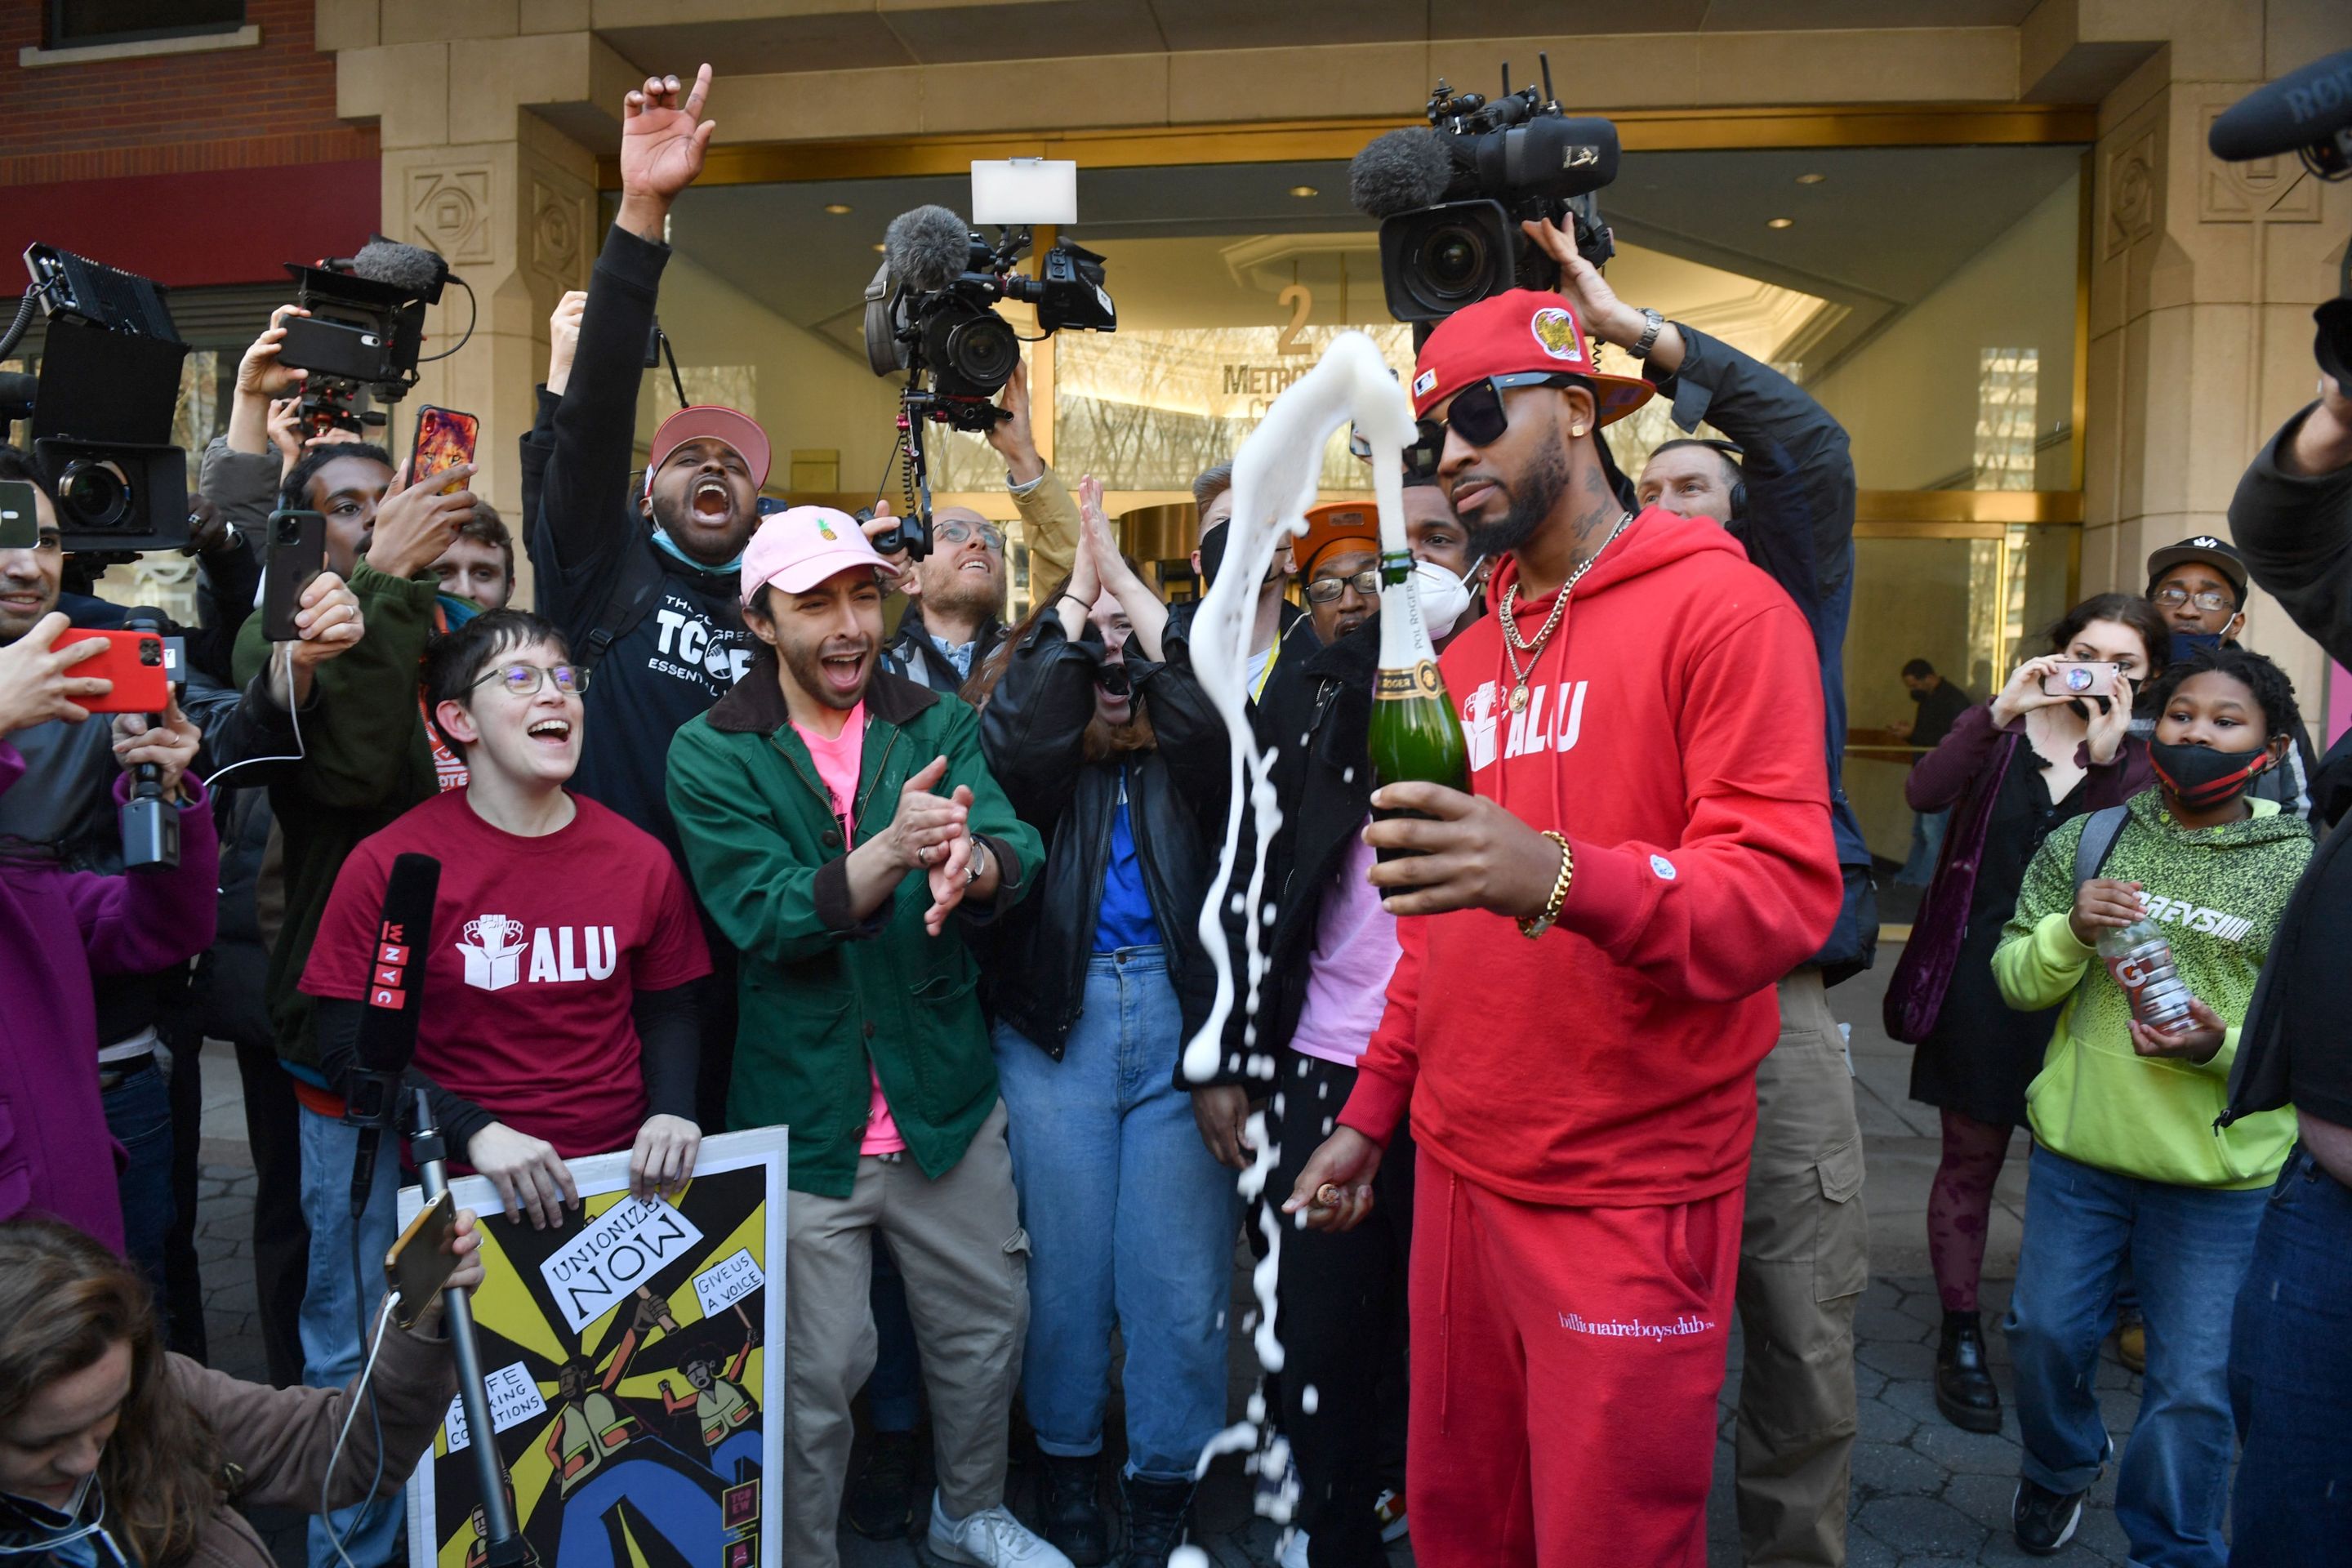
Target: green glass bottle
x,y
1415,733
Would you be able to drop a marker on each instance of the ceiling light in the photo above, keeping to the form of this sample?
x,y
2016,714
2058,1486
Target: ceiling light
x,y
837,208
1810,179
1780,223
1303,192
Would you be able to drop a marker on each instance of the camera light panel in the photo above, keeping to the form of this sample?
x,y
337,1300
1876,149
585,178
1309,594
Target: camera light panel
x,y
1024,191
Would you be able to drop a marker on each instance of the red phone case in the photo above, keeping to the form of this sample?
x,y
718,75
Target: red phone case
x,y
142,684
445,438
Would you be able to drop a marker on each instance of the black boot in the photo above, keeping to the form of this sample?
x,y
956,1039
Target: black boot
x,y
1156,1515
1964,1387
1073,1518
881,1503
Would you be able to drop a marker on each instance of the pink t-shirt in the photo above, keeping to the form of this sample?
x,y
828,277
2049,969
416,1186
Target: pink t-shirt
x,y
1348,974
837,761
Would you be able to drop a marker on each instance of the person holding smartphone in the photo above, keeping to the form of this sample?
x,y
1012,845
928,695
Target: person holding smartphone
x,y
2040,753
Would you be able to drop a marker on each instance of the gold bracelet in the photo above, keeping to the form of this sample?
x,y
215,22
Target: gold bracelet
x,y
1543,922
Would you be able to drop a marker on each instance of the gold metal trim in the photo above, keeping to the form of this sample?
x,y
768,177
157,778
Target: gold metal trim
x,y
1282,141
1987,507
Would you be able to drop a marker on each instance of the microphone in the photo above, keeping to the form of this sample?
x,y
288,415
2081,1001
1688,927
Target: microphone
x,y
2311,108
395,997
927,249
1401,172
414,270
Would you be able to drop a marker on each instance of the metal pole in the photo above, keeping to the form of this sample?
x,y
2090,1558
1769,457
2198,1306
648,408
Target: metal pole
x,y
502,1543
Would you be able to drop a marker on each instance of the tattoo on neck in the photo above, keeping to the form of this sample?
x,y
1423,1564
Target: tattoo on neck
x,y
1595,517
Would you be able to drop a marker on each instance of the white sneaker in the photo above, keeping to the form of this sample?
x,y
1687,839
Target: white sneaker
x,y
992,1538
1294,1551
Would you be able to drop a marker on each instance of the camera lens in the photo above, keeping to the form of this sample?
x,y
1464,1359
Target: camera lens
x,y
1450,266
94,494
983,349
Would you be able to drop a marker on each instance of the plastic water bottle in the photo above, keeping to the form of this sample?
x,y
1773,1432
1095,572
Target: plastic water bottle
x,y
2140,959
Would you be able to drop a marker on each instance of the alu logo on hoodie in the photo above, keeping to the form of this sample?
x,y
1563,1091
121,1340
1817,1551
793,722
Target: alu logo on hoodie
x,y
1553,721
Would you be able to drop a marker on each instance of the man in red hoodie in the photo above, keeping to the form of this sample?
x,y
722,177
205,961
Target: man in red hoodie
x,y
1586,984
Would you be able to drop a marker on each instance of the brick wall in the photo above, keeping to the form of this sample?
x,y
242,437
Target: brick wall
x,y
234,109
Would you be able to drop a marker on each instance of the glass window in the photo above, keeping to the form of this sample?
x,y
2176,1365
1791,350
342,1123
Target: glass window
x,y
125,21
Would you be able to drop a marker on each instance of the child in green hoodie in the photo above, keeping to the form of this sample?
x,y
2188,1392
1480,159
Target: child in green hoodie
x,y
2127,1162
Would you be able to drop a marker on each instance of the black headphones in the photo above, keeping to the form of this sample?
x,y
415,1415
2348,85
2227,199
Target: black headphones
x,y
1738,453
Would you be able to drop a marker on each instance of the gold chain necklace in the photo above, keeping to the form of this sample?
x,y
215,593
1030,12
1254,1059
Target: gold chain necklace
x,y
1513,646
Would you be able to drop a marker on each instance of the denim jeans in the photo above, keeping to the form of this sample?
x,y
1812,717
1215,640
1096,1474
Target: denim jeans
x,y
138,1114
1130,1221
2188,1247
894,1391
1927,848
332,1303
2290,1378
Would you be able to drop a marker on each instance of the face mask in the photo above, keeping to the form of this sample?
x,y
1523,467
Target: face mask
x,y
2187,645
2201,778
1918,696
1444,597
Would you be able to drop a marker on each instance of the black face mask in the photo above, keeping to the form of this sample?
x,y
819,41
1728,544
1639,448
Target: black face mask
x,y
2201,778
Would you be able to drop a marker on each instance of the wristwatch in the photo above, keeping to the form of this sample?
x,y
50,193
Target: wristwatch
x,y
1532,929
978,864
1640,346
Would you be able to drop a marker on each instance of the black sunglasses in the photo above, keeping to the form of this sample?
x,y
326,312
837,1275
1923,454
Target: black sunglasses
x,y
1476,416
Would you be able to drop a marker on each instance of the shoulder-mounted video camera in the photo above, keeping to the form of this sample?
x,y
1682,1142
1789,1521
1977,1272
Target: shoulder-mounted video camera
x,y
101,409
1451,197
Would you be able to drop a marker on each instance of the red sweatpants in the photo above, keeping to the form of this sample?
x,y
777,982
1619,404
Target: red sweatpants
x,y
1565,1368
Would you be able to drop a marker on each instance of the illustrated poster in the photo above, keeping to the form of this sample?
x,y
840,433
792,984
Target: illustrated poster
x,y
633,1359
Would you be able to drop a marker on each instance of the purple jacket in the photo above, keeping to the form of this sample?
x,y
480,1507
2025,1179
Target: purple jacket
x,y
57,928
1964,774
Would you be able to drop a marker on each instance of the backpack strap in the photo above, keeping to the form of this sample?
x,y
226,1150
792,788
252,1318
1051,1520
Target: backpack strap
x,y
622,613
2100,831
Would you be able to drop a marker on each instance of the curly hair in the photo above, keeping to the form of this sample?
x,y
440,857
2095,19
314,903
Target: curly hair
x,y
67,1301
2272,688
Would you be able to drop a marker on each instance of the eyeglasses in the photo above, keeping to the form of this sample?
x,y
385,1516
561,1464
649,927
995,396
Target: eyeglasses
x,y
1475,415
2172,598
524,679
1326,590
955,530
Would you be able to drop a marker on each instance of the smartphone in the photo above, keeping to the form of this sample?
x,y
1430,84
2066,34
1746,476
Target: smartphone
x,y
134,662
2081,676
420,1262
296,553
335,348
20,515
445,438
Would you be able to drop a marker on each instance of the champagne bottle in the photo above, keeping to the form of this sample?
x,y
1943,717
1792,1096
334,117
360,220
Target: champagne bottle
x,y
1415,733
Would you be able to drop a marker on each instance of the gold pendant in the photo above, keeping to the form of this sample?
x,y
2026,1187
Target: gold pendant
x,y
1519,698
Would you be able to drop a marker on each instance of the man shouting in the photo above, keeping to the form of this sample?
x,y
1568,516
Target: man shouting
x,y
1591,940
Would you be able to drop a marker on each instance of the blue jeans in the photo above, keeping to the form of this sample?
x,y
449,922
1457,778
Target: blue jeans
x,y
1927,848
2290,1377
894,1389
1130,1221
2189,1248
332,1305
138,1114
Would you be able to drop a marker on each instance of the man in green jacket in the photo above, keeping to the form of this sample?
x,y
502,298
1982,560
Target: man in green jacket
x,y
840,826
366,758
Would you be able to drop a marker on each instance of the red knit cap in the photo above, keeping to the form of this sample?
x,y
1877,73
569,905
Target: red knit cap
x,y
1509,334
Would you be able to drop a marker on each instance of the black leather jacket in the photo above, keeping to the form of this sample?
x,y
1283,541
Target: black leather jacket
x,y
1032,731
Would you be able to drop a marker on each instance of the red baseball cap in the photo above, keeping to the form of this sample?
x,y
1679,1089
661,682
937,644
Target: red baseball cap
x,y
710,422
1511,334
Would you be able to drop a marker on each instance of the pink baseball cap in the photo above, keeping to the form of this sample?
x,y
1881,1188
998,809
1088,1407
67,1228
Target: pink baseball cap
x,y
798,549
710,422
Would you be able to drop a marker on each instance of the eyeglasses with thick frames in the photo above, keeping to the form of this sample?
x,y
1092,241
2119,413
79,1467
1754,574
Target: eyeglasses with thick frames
x,y
956,531
1476,414
2208,599
524,679
1327,590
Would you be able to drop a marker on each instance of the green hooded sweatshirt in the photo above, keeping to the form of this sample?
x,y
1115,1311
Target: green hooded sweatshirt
x,y
2217,893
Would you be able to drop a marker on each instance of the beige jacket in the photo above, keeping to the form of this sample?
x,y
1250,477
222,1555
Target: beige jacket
x,y
277,1441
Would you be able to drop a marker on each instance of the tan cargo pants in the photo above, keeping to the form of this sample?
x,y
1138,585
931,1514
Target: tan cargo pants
x,y
959,1245
1804,1258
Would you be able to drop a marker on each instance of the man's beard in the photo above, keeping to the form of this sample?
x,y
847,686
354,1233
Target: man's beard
x,y
806,663
1533,496
969,593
